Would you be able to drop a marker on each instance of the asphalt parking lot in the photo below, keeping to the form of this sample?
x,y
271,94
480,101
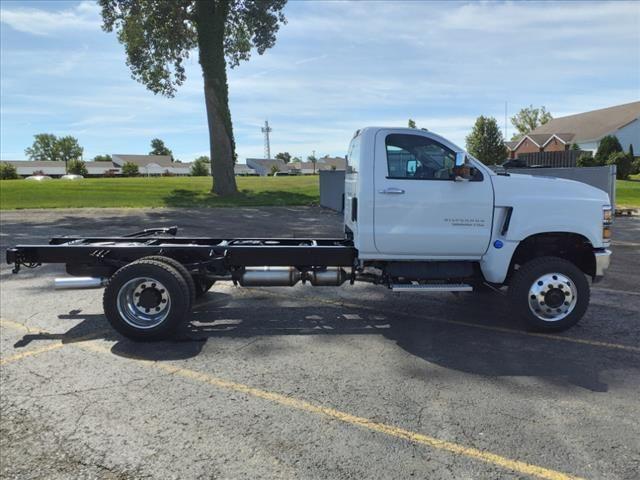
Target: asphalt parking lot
x,y
351,382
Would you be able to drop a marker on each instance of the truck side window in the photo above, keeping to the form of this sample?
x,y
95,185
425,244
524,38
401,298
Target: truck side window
x,y
353,157
418,157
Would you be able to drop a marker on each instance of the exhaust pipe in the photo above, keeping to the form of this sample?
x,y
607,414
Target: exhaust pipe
x,y
73,283
270,277
289,276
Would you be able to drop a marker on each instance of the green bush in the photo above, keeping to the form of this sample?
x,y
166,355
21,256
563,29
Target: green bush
x,y
130,170
200,167
608,145
77,167
8,172
622,161
635,166
586,160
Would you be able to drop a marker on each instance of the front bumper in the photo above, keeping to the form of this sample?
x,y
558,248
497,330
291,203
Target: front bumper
x,y
603,259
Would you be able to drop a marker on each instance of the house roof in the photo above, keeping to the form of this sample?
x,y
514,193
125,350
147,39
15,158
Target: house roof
x,y
143,160
340,163
591,125
511,145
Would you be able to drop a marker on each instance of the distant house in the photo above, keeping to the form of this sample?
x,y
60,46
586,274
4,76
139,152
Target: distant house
x,y
25,168
264,166
584,129
332,163
153,165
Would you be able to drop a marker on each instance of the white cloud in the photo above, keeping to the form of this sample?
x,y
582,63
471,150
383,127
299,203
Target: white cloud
x,y
85,16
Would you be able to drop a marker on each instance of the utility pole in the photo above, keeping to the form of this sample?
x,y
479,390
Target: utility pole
x,y
267,146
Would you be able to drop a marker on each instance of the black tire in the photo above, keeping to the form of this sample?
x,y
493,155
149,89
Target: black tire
x,y
526,279
174,292
193,290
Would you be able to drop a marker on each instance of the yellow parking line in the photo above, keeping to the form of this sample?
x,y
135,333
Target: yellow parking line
x,y
14,325
29,353
550,336
37,351
397,432
302,405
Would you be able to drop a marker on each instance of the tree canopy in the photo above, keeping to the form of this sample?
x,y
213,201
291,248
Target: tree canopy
x,y
284,156
102,158
159,148
528,119
47,146
485,141
158,36
411,123
44,147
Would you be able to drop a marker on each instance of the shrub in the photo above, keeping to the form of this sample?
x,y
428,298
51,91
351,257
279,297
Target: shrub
x,y
274,170
635,166
623,164
39,172
77,167
586,160
130,170
608,145
200,167
8,172
167,173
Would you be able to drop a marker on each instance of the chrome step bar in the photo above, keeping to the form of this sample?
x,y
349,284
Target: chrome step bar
x,y
434,287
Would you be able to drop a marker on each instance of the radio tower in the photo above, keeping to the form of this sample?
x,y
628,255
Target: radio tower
x,y
267,146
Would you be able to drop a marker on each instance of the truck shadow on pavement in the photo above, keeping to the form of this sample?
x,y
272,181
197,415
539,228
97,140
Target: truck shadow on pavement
x,y
484,351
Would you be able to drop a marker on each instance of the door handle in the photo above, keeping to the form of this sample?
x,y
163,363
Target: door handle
x,y
392,190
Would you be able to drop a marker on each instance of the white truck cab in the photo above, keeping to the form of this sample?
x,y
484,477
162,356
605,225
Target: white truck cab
x,y
408,208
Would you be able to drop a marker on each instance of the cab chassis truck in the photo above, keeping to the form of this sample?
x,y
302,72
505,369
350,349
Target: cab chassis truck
x,y
420,215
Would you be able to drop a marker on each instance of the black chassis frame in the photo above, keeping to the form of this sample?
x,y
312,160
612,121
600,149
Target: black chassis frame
x,y
204,256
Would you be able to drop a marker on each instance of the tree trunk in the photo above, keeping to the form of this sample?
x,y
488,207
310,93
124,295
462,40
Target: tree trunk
x,y
211,17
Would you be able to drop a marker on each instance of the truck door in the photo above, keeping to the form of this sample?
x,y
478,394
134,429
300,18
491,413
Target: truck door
x,y
419,209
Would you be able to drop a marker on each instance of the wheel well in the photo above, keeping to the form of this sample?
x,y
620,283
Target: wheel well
x,y
570,246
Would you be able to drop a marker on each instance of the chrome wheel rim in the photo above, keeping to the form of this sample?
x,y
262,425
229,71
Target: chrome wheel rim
x,y
552,297
143,302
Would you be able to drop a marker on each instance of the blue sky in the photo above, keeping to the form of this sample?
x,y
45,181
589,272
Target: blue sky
x,y
336,67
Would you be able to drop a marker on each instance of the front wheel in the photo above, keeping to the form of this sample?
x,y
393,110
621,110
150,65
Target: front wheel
x,y
550,293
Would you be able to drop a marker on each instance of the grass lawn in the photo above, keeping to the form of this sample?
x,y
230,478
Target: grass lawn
x,y
628,192
155,192
190,192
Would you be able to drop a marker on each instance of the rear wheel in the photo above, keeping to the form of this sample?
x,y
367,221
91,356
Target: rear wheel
x,y
147,300
550,293
193,291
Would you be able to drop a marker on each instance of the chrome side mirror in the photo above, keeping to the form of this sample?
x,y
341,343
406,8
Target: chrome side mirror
x,y
461,159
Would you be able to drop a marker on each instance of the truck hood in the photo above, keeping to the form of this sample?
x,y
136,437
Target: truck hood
x,y
533,187
550,204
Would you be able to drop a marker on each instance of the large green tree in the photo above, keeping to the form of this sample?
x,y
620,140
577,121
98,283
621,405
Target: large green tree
x,y
44,147
158,35
159,148
47,146
284,156
485,141
69,149
528,119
